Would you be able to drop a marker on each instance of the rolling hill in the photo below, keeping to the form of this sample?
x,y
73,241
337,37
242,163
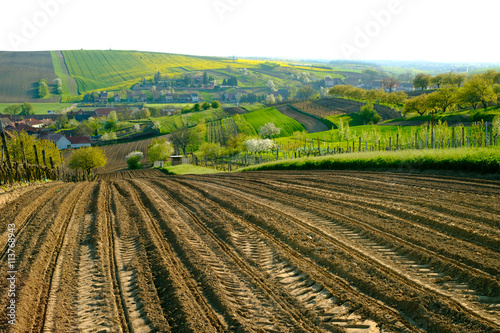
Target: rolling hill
x,y
20,73
83,71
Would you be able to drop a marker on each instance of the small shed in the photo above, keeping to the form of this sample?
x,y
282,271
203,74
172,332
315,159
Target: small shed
x,y
176,159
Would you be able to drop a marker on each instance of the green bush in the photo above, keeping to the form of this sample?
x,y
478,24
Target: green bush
x,y
134,160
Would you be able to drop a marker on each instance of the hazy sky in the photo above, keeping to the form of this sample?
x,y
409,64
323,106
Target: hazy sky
x,y
434,30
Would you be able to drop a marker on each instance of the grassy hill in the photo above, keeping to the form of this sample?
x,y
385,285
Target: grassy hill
x,y
20,73
272,115
83,71
118,69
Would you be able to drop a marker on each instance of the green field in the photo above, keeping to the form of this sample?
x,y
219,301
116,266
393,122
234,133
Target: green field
x,y
478,160
271,115
187,169
20,73
40,108
68,83
111,70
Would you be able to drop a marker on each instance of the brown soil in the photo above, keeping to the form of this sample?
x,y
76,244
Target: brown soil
x,y
311,251
311,124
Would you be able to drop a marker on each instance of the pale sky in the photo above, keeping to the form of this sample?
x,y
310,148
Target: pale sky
x,y
432,30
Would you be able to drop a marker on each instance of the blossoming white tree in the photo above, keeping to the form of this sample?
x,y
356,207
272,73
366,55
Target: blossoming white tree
x,y
269,130
259,145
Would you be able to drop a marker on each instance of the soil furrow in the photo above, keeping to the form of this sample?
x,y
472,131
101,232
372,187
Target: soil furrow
x,y
255,276
182,302
388,224
403,278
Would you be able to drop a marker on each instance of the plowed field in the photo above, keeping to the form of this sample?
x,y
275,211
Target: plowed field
x,y
253,252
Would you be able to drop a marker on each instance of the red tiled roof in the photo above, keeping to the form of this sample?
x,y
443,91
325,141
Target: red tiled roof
x,y
79,139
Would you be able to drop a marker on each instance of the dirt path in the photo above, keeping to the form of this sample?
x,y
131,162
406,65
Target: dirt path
x,y
357,252
311,124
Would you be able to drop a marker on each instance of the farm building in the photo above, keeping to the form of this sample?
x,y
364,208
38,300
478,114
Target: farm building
x,y
5,121
329,82
80,141
101,98
405,86
179,159
33,123
103,112
63,142
83,115
59,140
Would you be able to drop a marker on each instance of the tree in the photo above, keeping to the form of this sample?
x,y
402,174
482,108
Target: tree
x,y
210,149
157,77
160,150
51,151
390,83
84,129
112,116
43,88
279,99
205,77
372,73
259,145
440,101
269,130
270,99
154,111
422,81
369,114
305,92
87,159
61,121
134,160
478,89
437,80
453,79
13,109
145,113
206,106
197,107
108,136
110,126
270,85
229,69
215,104
183,138
416,104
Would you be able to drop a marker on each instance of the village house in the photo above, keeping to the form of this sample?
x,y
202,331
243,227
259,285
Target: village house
x,y
33,123
231,97
63,142
79,141
22,127
5,121
329,82
405,86
118,98
83,115
130,96
59,140
101,98
194,98
103,112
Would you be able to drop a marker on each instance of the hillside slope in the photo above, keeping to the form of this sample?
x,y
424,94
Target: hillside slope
x,y
20,73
